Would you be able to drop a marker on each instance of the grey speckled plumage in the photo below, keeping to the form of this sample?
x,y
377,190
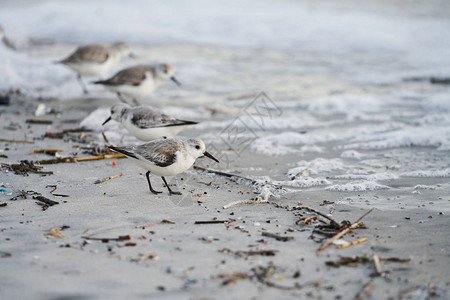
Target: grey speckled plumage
x,y
95,53
167,157
129,76
159,152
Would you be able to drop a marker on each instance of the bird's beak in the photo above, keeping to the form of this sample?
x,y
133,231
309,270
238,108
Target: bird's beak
x,y
132,55
206,153
106,121
175,80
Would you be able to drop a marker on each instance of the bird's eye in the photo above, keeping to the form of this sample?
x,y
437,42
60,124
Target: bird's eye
x,y
197,147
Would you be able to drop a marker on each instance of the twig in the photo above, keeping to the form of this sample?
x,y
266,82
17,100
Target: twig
x,y
106,139
40,122
16,141
319,213
277,236
229,175
345,260
376,263
54,189
46,151
54,233
165,221
108,178
367,287
45,200
352,243
78,159
249,253
396,259
338,235
360,218
105,240
211,222
261,201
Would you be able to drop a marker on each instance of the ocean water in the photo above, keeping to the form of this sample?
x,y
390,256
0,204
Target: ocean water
x,y
307,94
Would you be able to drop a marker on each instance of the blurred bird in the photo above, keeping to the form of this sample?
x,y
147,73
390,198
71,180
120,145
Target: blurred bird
x,y
147,123
138,81
95,60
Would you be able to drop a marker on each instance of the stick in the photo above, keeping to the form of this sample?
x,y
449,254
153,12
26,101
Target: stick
x,y
352,243
245,202
277,237
77,159
338,235
396,259
45,200
360,218
376,263
108,178
211,222
319,213
49,151
105,138
105,240
54,189
41,122
228,175
16,141
165,221
367,287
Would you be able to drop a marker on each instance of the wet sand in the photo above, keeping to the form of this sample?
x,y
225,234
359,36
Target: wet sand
x,y
185,260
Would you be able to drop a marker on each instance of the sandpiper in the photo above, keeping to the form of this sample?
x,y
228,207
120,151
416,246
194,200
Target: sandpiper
x,y
147,123
95,60
168,157
138,81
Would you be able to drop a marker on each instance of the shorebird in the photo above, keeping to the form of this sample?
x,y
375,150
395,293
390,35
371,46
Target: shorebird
x,y
168,157
95,60
138,81
147,123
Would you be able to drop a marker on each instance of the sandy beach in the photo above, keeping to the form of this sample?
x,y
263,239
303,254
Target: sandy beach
x,y
304,134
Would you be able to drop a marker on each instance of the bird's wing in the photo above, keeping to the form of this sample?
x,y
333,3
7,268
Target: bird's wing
x,y
161,153
130,76
95,53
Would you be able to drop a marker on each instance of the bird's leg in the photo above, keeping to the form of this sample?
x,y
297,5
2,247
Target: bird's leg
x,y
121,98
83,86
135,102
168,187
150,185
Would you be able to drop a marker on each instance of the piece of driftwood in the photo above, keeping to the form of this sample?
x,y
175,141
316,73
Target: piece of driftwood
x,y
165,221
366,289
211,222
338,236
16,141
229,175
108,178
25,167
78,159
257,201
353,243
105,240
319,213
46,151
282,238
38,122
377,265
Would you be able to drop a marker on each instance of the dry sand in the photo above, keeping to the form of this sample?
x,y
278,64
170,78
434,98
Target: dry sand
x,y
183,260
